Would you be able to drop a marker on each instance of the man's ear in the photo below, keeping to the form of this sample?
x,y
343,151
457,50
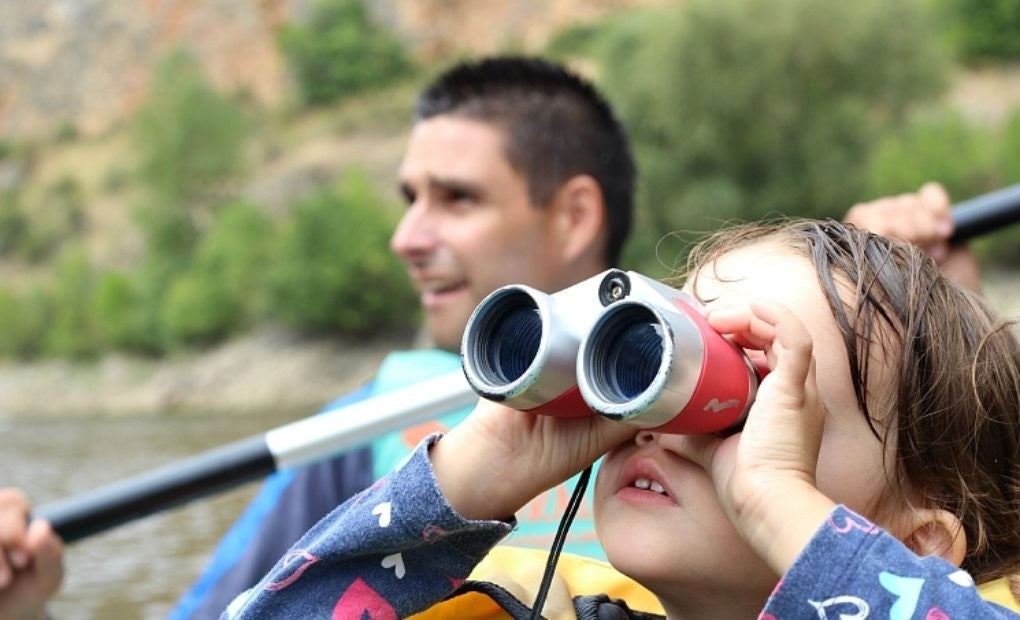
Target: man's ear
x,y
937,532
579,213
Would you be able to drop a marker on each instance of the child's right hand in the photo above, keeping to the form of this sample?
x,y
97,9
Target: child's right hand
x,y
765,475
495,461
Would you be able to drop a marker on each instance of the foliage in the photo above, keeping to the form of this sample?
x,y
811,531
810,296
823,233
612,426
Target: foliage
x,y
189,137
940,146
224,289
13,223
748,108
24,320
984,28
340,52
968,159
190,141
334,272
114,306
72,330
61,220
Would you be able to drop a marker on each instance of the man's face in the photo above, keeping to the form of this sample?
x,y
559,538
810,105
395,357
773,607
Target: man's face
x,y
470,226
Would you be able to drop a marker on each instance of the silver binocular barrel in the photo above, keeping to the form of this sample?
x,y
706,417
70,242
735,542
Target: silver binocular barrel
x,y
619,344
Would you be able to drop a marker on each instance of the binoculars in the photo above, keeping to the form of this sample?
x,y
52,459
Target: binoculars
x,y
619,345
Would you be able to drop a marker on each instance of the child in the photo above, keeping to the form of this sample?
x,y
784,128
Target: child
x,y
876,471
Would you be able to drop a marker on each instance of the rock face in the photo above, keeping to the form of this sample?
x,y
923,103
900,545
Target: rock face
x,y
87,63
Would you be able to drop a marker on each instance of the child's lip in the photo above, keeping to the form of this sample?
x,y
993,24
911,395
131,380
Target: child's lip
x,y
643,467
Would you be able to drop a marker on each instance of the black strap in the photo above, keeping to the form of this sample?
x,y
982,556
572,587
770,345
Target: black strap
x,y
557,545
510,603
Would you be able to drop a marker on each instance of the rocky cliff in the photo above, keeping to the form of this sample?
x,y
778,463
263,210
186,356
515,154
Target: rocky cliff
x,y
87,63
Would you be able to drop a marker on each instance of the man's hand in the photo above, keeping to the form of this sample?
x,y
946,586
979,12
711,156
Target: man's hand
x,y
31,559
924,219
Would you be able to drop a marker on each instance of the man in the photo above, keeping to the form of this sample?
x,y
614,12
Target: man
x,y
516,171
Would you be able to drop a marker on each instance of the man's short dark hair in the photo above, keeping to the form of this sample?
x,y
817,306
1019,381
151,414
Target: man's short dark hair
x,y
558,126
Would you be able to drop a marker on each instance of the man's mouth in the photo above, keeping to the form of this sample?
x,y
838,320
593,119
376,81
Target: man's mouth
x,y
432,294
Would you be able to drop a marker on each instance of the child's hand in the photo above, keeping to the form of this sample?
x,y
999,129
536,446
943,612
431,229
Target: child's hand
x,y
498,459
31,559
765,475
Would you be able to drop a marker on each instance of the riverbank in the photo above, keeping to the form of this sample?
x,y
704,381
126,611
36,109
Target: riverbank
x,y
270,369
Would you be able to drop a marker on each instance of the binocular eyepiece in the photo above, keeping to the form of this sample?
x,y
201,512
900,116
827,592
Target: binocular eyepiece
x,y
619,344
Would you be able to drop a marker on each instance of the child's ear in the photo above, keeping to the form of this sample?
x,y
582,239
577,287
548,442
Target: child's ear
x,y
937,532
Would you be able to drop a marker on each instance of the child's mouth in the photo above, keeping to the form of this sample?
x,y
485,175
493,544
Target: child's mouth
x,y
649,485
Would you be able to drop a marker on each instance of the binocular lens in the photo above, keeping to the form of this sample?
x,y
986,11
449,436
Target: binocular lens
x,y
513,334
627,355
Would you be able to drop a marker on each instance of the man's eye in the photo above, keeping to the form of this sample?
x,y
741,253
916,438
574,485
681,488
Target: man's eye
x,y
408,194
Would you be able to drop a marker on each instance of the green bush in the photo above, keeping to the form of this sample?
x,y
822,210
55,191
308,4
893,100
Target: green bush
x,y
72,330
939,147
190,138
340,52
747,108
334,272
191,141
968,159
984,28
13,223
24,321
197,310
225,289
115,308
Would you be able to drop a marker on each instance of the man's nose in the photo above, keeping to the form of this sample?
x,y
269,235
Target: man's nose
x,y
415,234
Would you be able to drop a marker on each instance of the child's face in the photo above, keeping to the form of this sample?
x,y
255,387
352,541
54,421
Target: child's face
x,y
679,543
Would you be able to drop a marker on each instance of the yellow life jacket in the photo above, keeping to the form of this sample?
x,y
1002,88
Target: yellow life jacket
x,y
519,571
998,591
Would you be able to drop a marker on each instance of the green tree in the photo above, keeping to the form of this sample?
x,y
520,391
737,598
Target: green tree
x,y
334,273
340,51
226,288
191,142
984,28
749,108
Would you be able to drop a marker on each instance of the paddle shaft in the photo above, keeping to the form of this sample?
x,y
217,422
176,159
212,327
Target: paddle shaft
x,y
291,445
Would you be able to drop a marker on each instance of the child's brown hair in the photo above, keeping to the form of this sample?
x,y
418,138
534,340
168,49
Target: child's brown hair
x,y
954,416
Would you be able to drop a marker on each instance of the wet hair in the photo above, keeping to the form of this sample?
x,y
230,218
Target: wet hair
x,y
954,415
557,126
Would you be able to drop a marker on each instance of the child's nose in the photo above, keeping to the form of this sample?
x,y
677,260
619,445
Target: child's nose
x,y
645,437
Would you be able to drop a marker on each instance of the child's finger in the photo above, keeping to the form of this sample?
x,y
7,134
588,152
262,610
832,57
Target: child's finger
x,y
742,326
791,344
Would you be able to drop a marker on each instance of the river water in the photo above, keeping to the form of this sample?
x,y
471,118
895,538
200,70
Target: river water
x,y
139,569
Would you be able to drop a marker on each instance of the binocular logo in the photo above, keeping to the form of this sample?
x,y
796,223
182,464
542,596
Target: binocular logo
x,y
619,344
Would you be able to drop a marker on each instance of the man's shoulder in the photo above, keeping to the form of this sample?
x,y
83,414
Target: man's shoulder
x,y
401,368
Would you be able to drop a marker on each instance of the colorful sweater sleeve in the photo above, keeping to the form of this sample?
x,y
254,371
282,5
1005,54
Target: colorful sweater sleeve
x,y
393,550
851,568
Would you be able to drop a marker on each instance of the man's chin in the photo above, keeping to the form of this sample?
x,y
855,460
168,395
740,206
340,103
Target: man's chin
x,y
445,333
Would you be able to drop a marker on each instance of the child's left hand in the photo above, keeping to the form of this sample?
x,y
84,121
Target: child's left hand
x,y
765,475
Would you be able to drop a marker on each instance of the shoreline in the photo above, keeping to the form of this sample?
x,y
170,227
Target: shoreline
x,y
265,370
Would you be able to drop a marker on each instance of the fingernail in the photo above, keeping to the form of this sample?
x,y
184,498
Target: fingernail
x,y
19,559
